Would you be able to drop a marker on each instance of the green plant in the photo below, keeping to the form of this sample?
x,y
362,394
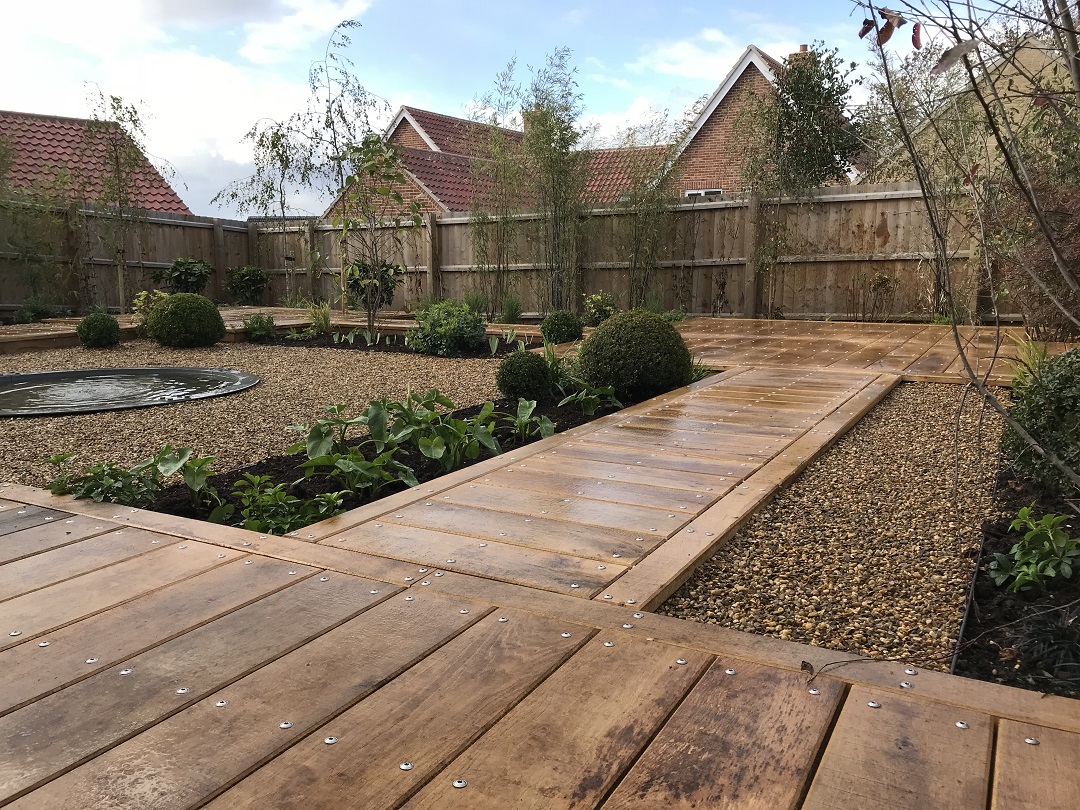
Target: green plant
x,y
372,287
699,370
269,508
1045,551
185,320
941,320
142,304
511,309
246,284
523,424
98,330
1050,643
1048,408
260,328
561,326
184,276
589,398
447,328
599,306
475,300
35,312
525,375
360,475
636,352
295,300
321,322
109,482
451,441
1031,356
349,337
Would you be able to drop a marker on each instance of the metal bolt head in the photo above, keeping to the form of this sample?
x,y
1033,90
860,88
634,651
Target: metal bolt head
x,y
221,704
181,546
627,626
814,691
91,660
729,671
330,740
907,685
374,590
680,661
575,585
406,766
609,643
324,579
608,596
425,582
503,619
1031,741
631,601
438,573
460,783
464,611
451,562
126,671
566,635
248,562
43,644
15,633
183,690
639,615
961,724
408,599
873,704
910,671
285,724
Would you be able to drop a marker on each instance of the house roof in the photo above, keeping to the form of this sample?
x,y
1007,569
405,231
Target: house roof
x,y
46,147
445,133
753,55
448,178
612,171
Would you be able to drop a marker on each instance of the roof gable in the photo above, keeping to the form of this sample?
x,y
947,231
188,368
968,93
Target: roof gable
x,y
752,56
446,133
45,147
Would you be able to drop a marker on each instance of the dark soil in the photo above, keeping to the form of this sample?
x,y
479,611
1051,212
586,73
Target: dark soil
x,y
1007,634
390,343
285,469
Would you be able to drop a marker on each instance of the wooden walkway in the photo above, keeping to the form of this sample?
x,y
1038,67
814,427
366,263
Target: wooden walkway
x,y
485,641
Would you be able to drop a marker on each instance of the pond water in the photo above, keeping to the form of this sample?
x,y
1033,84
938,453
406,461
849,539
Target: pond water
x,y
54,393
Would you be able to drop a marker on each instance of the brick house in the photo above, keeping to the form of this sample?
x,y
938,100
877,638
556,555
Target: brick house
x,y
439,152
56,156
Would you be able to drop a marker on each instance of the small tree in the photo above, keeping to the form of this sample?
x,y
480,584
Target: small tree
x,y
374,219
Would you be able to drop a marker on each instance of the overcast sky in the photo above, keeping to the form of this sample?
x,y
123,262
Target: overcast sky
x,y
204,71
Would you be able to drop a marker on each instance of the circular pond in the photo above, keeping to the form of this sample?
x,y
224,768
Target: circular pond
x,y
54,393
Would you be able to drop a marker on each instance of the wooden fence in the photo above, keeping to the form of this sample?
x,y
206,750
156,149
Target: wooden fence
x,y
852,252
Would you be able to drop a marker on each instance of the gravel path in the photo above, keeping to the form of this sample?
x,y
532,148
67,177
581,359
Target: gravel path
x,y
865,552
239,429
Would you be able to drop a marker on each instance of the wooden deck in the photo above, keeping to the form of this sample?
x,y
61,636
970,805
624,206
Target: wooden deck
x,y
485,641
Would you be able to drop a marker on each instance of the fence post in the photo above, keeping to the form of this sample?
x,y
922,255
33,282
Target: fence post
x,y
434,282
751,282
220,260
309,265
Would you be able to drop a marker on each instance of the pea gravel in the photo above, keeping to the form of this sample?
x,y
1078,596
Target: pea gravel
x,y
865,552
238,429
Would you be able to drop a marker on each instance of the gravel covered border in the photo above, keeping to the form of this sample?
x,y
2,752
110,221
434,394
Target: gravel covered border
x,y
865,552
297,382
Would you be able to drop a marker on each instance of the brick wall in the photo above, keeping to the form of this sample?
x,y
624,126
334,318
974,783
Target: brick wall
x,y
406,135
714,157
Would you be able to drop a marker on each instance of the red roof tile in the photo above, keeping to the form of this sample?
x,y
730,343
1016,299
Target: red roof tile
x,y
458,136
47,147
613,171
448,177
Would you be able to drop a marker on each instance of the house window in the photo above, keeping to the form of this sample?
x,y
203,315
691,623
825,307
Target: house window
x,y
702,192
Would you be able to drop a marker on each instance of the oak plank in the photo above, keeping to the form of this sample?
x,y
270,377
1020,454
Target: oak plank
x,y
47,536
49,608
50,567
197,753
574,735
907,753
540,532
426,716
654,459
29,671
743,740
631,474
1031,775
57,732
20,516
535,568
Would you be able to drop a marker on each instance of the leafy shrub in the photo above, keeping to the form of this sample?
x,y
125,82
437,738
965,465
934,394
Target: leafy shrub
x,y
638,353
321,321
144,301
269,508
599,306
246,284
475,300
447,328
1045,551
511,309
109,482
1049,409
185,320
260,328
561,326
525,375
98,330
184,276
35,312
524,425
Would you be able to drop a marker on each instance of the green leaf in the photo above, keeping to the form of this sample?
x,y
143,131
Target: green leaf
x,y
432,448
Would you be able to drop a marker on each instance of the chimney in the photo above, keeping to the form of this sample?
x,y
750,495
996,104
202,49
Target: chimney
x,y
802,54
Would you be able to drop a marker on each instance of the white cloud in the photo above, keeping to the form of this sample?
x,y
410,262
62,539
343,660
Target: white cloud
x,y
307,22
709,54
608,128
600,78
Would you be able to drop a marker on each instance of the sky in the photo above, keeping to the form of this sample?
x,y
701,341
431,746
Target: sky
x,y
203,72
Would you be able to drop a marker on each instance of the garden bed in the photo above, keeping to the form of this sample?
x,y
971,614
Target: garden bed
x,y
1028,639
867,552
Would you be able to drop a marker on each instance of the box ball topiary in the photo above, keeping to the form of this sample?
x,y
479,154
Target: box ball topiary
x,y
524,375
637,352
561,326
98,330
1049,410
185,321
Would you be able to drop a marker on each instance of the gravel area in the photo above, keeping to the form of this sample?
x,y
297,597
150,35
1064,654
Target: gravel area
x,y
866,552
239,429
